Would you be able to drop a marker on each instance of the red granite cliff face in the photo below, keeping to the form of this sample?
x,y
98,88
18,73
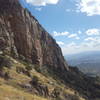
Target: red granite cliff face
x,y
22,35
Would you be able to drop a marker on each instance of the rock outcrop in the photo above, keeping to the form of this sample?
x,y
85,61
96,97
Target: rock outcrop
x,y
21,35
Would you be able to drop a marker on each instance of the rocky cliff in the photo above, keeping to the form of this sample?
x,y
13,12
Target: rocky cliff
x,y
21,35
26,46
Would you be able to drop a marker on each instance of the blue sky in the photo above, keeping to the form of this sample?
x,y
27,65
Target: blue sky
x,y
75,24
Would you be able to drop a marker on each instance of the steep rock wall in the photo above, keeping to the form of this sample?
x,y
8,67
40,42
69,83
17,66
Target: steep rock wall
x,y
22,35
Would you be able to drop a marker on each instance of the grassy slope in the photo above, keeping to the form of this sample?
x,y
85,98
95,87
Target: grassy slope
x,y
11,90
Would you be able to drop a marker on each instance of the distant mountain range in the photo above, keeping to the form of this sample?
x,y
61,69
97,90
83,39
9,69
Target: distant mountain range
x,y
87,62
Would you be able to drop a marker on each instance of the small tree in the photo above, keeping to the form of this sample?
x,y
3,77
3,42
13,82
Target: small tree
x,y
7,76
34,80
29,68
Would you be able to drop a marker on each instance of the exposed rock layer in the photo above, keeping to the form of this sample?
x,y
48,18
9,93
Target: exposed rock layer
x,y
22,35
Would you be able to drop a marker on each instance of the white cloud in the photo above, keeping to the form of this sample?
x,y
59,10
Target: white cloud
x,y
96,40
38,9
79,32
74,36
67,34
42,2
89,39
55,34
90,7
82,44
60,42
72,44
73,48
70,48
68,10
93,32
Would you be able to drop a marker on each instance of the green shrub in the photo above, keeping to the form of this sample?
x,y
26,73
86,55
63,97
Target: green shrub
x,y
35,80
37,68
29,68
5,62
74,97
7,75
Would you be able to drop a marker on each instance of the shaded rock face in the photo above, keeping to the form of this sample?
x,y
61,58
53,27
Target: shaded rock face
x,y
22,35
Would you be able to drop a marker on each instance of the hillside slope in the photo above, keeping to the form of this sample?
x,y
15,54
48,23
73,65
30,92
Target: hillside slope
x,y
21,81
32,66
